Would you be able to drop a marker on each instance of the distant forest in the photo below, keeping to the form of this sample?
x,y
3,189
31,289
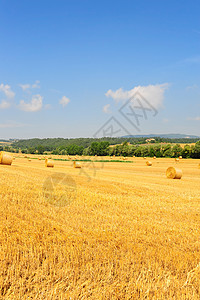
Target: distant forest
x,y
139,147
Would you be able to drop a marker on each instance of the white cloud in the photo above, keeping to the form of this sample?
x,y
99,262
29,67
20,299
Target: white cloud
x,y
30,86
106,109
4,104
25,86
64,101
48,106
165,120
33,106
12,125
192,87
194,119
154,94
36,85
6,89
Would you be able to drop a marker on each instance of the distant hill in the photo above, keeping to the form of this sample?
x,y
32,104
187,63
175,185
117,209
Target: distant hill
x,y
166,136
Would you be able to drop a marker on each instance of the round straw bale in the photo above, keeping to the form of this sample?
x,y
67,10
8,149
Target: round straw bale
x,y
148,163
39,158
154,157
144,157
5,158
76,164
49,163
174,173
176,159
29,159
180,157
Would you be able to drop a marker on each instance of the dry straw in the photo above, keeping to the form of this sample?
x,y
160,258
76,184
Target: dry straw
x,y
180,157
5,158
76,164
49,163
174,173
154,157
148,163
176,159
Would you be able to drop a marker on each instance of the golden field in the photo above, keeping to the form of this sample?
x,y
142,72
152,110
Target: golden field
x,y
116,230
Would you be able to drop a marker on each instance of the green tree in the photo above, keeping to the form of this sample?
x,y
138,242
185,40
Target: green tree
x,y
186,152
31,150
195,151
40,149
167,150
177,150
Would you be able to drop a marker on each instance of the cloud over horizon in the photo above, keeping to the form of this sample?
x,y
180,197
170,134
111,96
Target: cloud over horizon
x,y
64,101
194,119
28,86
106,109
12,125
6,89
34,105
5,104
154,94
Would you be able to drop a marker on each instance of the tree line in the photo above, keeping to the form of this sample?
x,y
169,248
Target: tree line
x,y
51,144
104,148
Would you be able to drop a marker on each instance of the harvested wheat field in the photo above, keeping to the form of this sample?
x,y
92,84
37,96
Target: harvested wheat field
x,y
113,230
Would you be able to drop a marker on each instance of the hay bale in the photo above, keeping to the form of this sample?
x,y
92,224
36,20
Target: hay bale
x,y
29,159
39,158
176,159
148,163
144,157
174,173
49,163
154,157
76,164
5,158
180,157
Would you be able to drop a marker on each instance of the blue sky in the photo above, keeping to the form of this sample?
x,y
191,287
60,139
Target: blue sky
x,y
67,67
